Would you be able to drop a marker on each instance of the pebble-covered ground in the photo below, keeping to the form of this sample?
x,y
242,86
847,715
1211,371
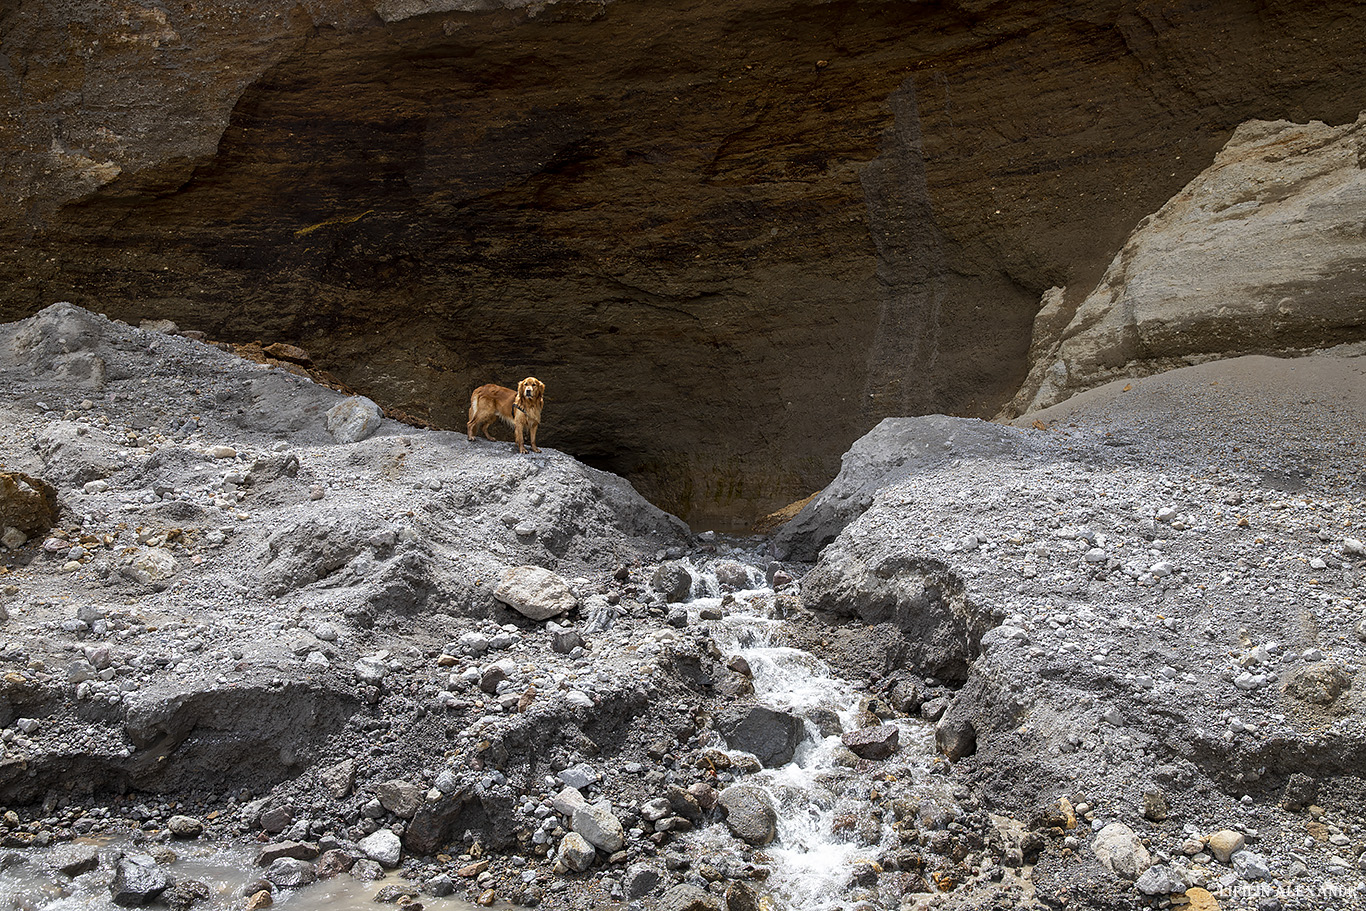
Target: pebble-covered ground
x,y
1109,659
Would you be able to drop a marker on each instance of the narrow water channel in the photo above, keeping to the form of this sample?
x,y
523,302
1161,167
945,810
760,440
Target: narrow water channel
x,y
816,852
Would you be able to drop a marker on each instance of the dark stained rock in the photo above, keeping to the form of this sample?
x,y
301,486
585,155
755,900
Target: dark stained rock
x,y
138,880
873,743
770,734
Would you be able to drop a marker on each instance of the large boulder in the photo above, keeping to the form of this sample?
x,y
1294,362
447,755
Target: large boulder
x,y
920,595
772,735
536,593
750,814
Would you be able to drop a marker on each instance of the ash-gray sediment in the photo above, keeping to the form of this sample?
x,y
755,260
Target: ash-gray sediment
x,y
1135,624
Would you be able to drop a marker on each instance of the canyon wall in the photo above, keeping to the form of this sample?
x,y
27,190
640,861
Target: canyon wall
x,y
729,237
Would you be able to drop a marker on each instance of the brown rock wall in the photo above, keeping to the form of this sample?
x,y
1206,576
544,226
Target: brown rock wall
x,y
729,237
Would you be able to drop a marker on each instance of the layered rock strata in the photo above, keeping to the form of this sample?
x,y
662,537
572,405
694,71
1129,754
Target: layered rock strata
x,y
731,239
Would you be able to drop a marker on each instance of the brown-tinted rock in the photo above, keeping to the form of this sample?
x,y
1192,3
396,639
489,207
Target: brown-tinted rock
x,y
27,503
873,743
1320,683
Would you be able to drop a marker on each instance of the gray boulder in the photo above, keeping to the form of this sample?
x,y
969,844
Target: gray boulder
x,y
383,847
402,798
920,595
750,815
138,880
353,419
689,898
771,735
873,743
576,853
599,825
290,873
672,581
1118,848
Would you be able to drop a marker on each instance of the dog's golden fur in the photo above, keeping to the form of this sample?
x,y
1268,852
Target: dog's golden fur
x,y
519,408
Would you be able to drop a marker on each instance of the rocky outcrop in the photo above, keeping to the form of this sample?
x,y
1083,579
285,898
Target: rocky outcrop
x,y
730,238
896,448
1261,254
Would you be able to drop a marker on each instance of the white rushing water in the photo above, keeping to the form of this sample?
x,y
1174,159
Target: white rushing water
x,y
812,858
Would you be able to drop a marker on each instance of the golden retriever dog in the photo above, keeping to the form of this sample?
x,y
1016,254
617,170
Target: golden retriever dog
x,y
519,408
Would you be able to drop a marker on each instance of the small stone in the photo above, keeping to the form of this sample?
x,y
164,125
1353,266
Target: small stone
x,y
259,900
534,592
383,847
1199,899
185,827
1224,844
339,779
576,853
1250,866
73,860
578,777
1118,848
640,880
688,898
565,641
222,452
402,798
1160,880
296,849
1155,806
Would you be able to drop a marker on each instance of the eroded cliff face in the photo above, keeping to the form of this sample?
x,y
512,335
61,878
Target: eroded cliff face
x,y
729,237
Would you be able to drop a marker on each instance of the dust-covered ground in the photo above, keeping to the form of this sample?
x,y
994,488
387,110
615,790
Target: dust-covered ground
x,y
264,616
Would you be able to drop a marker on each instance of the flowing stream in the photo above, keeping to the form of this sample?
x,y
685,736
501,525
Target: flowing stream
x,y
827,822
817,849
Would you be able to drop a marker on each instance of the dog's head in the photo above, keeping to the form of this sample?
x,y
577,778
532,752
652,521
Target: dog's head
x,y
531,390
